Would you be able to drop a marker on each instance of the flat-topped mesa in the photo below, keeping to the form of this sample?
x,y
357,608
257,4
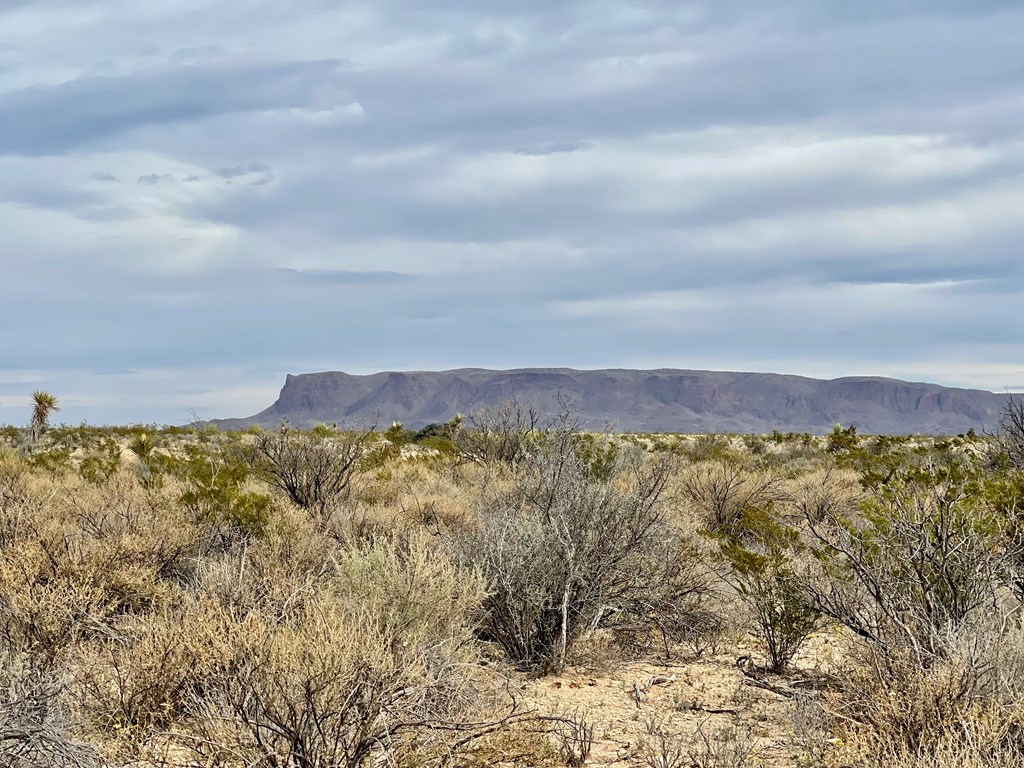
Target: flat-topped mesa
x,y
665,400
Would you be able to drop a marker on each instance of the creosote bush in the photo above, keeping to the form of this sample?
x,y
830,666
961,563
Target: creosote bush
x,y
923,576
759,555
218,493
926,555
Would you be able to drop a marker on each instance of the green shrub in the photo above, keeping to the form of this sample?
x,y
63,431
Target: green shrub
x,y
926,555
217,492
759,552
102,462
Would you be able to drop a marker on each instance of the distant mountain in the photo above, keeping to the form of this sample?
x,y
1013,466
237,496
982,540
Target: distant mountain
x,y
637,401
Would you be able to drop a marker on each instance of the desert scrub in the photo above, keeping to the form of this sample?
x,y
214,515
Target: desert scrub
x,y
923,577
36,725
721,492
383,661
503,434
761,554
150,673
927,554
76,555
312,468
964,710
217,493
101,462
298,649
562,551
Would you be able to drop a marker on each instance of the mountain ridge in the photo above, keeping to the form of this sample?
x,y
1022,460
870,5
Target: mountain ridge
x,y
635,400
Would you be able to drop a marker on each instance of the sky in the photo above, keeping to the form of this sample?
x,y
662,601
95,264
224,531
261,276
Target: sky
x,y
199,197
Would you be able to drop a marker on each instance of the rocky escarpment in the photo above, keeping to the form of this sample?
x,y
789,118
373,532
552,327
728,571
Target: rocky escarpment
x,y
630,400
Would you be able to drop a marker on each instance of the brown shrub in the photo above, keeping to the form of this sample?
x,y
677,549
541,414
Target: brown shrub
x,y
77,555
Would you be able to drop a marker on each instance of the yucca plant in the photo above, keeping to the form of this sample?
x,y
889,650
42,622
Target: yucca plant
x,y
142,445
43,404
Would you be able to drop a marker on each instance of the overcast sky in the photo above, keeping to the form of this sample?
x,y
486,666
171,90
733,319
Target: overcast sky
x,y
199,197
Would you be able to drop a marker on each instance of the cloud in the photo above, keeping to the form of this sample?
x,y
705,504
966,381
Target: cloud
x,y
797,186
555,148
53,119
346,277
156,178
242,170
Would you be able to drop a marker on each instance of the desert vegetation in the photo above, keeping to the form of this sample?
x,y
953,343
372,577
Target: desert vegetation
x,y
508,589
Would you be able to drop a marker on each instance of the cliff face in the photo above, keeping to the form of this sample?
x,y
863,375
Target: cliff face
x,y
650,401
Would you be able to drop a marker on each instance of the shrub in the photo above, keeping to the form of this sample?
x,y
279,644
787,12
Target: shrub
x,y
103,462
312,469
962,710
603,455
562,551
54,459
35,725
842,440
502,434
439,436
382,663
1011,431
722,492
723,747
217,495
143,446
75,556
709,448
921,577
147,673
927,555
761,571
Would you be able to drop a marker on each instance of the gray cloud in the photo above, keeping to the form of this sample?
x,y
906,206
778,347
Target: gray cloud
x,y
156,178
555,148
797,186
346,277
242,170
54,119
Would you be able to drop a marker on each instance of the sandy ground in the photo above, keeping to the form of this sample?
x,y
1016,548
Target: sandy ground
x,y
680,696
